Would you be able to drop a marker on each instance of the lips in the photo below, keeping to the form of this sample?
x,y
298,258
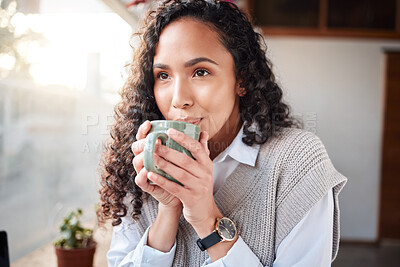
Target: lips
x,y
194,120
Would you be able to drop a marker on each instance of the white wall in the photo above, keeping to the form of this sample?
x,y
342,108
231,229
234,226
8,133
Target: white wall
x,y
341,81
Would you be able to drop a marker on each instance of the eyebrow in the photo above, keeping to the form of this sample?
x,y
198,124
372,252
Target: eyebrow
x,y
189,63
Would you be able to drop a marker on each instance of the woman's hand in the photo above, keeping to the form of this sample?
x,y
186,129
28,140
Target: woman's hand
x,y
196,175
164,198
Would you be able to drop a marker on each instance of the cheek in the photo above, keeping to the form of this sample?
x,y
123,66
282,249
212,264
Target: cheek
x,y
222,102
162,100
219,110
219,94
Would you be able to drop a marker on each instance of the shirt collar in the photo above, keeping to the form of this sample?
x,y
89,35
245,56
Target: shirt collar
x,y
239,151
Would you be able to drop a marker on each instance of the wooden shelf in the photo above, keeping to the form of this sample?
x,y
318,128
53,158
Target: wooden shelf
x,y
322,29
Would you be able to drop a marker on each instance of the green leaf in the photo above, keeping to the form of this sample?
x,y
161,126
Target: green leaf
x,y
73,233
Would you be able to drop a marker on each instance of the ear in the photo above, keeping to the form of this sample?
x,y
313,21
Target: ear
x,y
241,91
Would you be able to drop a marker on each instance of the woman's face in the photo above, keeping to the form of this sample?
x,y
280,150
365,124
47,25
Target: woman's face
x,y
195,79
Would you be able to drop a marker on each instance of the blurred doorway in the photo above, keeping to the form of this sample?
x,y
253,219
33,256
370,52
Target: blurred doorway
x,y
389,221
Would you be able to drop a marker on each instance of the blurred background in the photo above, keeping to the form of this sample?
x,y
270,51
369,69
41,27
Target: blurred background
x,y
62,64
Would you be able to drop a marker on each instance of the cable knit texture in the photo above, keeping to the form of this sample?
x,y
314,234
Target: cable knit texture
x,y
292,173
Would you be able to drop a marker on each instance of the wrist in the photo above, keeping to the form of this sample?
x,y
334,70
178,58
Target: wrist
x,y
163,231
207,226
221,239
174,211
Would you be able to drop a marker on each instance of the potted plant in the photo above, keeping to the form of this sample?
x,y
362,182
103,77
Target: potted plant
x,y
76,246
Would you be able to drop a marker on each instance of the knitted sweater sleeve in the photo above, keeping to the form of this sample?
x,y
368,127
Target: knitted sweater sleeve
x,y
307,174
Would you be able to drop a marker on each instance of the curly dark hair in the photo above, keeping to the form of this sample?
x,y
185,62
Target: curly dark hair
x,y
261,108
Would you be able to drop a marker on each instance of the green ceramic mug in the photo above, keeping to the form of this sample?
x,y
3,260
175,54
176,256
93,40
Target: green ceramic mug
x,y
159,130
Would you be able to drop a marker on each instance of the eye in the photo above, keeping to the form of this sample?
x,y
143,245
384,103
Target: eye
x,y
201,73
162,76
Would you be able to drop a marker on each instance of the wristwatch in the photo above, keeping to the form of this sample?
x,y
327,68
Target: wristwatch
x,y
225,230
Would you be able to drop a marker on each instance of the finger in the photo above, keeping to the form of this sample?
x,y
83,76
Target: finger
x,y
138,146
184,177
171,187
190,144
138,162
143,130
179,159
142,181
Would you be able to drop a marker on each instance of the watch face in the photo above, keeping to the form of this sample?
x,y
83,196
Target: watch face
x,y
226,229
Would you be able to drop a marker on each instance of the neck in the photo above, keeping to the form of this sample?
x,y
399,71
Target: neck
x,y
224,137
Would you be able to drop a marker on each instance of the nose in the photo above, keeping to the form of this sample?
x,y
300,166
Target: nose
x,y
182,97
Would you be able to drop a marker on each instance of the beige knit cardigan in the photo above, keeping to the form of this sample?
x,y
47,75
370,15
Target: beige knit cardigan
x,y
292,173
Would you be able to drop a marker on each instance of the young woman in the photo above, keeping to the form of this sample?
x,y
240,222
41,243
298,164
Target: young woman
x,y
260,191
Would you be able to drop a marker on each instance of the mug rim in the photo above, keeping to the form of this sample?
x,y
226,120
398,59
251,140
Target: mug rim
x,y
166,122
